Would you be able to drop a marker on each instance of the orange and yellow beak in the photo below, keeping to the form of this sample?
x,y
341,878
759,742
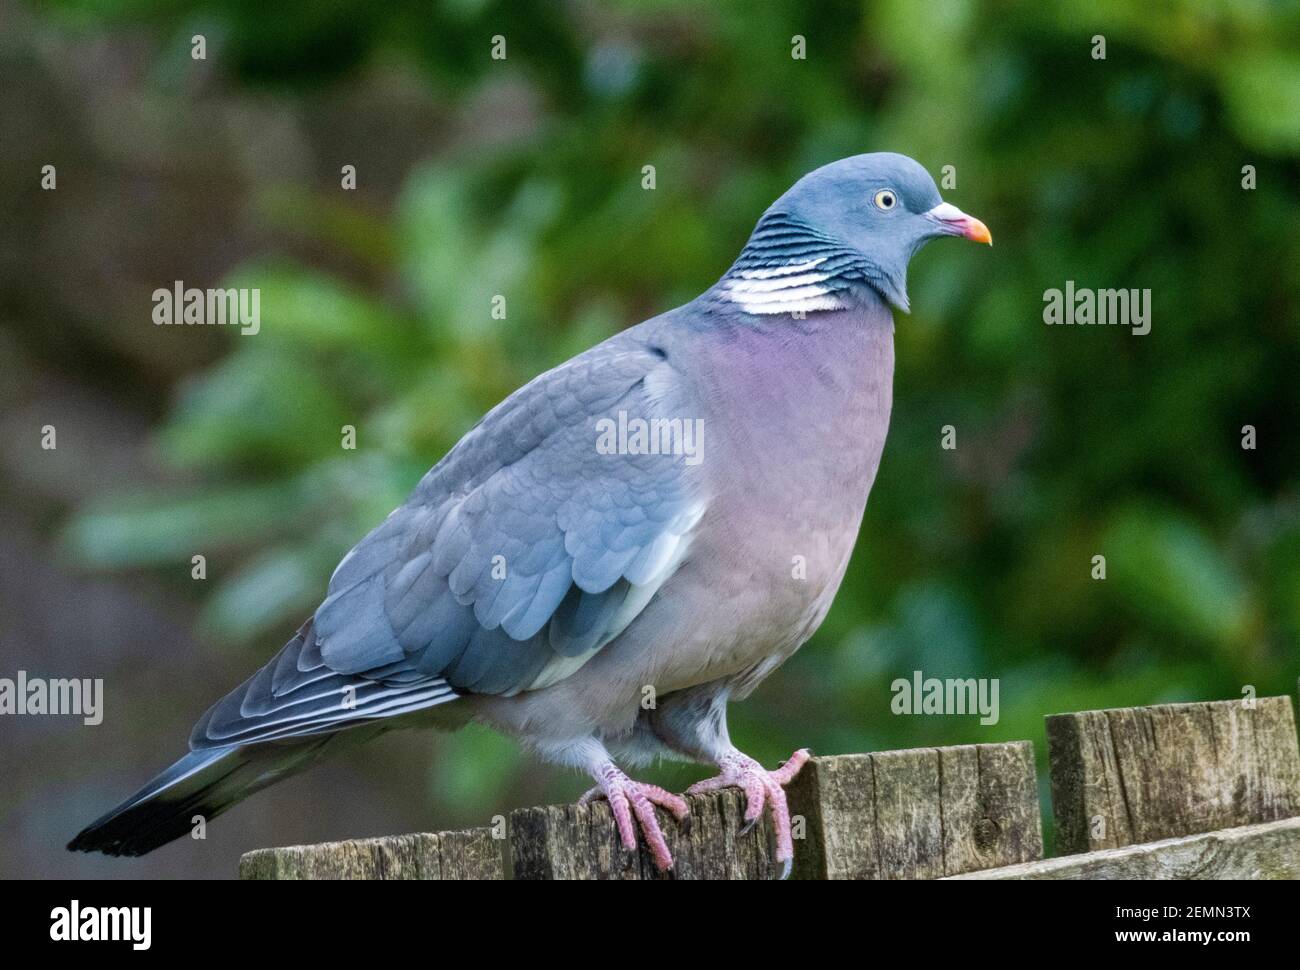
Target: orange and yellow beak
x,y
953,222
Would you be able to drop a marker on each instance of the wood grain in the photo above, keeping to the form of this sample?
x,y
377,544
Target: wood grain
x,y
581,842
1142,774
472,854
1270,850
917,814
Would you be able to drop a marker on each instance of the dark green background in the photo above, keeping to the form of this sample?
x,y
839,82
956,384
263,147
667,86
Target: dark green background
x,y
523,178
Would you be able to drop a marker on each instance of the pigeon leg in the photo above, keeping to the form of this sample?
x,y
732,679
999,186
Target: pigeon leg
x,y
628,798
761,787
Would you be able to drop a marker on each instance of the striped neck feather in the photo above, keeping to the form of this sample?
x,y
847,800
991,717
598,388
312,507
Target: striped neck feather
x,y
789,267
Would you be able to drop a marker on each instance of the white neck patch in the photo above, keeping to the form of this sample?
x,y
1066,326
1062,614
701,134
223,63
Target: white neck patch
x,y
796,288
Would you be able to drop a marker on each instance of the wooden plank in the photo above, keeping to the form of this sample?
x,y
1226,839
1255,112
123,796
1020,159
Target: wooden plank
x,y
917,814
1133,775
1270,850
472,854
894,814
581,842
834,799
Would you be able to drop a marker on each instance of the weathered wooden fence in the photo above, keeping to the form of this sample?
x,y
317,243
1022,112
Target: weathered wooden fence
x,y
1176,791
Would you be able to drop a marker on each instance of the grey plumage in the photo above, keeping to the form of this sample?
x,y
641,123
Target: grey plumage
x,y
537,584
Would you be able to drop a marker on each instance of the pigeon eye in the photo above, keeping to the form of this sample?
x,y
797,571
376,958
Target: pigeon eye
x,y
885,199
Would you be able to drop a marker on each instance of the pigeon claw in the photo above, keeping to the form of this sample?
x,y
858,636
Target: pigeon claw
x,y
630,800
761,787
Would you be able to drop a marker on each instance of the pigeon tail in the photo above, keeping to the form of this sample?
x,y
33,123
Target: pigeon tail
x,y
203,784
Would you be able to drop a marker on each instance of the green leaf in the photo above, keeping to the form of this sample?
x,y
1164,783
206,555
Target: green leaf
x,y
1262,90
163,528
1171,572
258,404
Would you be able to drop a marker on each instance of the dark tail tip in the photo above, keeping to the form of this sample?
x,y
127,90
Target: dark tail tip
x,y
203,783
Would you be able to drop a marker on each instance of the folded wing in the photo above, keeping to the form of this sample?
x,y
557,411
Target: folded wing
x,y
517,558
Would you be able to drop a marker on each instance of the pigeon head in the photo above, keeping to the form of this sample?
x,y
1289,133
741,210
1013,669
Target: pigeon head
x,y
853,222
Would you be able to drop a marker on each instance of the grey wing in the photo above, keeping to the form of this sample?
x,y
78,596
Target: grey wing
x,y
516,559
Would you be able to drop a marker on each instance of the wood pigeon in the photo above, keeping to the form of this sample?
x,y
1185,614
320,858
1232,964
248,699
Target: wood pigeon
x,y
618,549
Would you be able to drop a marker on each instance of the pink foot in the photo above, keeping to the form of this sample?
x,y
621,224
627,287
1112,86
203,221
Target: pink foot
x,y
761,787
627,798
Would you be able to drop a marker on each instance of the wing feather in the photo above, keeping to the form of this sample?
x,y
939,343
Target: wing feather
x,y
517,558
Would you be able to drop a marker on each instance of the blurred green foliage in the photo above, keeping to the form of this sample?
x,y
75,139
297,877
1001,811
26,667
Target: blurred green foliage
x,y
1072,442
